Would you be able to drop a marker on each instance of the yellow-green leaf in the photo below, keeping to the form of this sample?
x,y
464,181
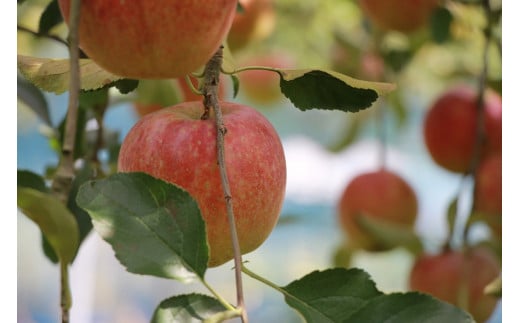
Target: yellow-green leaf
x,y
54,219
329,90
52,75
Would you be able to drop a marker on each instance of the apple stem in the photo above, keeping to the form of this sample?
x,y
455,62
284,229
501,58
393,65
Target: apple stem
x,y
192,87
254,68
210,91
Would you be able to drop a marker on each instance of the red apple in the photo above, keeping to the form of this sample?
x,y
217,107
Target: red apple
x,y
402,15
450,127
261,86
458,279
381,195
488,191
254,23
176,145
152,39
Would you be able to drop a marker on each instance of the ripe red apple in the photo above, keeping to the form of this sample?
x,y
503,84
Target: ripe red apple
x,y
254,23
260,86
176,145
458,279
382,195
401,15
152,39
488,191
450,127
154,95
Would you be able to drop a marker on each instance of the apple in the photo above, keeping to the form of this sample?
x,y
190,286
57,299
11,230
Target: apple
x,y
450,127
153,95
488,192
176,145
380,194
262,86
254,23
152,39
367,65
458,278
401,15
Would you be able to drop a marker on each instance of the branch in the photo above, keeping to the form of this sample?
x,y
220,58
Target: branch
x,y
62,182
210,91
480,136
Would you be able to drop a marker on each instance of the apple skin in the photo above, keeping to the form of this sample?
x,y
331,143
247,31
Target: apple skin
x,y
152,39
175,145
450,127
381,194
444,276
488,192
261,86
401,15
255,23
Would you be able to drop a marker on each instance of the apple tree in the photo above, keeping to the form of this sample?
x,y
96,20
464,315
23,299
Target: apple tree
x,y
200,179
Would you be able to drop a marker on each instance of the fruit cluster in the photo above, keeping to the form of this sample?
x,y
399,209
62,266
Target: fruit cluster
x,y
454,142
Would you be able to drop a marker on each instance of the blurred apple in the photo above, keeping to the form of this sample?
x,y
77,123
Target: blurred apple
x,y
488,192
458,278
261,86
254,23
401,15
450,127
381,195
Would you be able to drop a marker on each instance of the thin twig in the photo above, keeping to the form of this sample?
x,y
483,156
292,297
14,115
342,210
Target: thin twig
x,y
480,136
62,182
210,91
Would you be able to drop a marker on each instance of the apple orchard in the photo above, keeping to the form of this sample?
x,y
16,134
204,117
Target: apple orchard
x,y
203,178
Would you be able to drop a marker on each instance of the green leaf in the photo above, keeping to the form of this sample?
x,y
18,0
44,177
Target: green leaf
x,y
34,99
441,25
162,92
409,307
451,216
342,256
82,217
320,89
331,295
28,179
236,85
154,227
31,180
350,296
126,86
390,235
50,17
54,219
52,75
187,308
